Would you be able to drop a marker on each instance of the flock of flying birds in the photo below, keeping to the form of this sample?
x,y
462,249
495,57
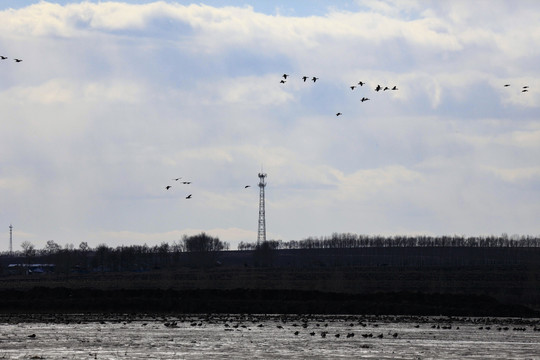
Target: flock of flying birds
x,y
183,182
284,79
360,83
2,57
305,79
523,89
189,182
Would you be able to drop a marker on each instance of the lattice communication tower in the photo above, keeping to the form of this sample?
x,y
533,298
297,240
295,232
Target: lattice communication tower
x,y
261,235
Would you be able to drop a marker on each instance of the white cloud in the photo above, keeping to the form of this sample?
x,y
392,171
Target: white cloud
x,y
514,175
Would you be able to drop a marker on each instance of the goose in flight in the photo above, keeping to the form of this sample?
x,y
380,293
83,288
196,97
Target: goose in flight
x,y
361,83
186,182
188,197
364,99
338,114
285,76
282,81
305,78
524,90
17,60
506,85
245,187
176,179
3,57
168,187
314,79
386,88
352,87
394,88
378,88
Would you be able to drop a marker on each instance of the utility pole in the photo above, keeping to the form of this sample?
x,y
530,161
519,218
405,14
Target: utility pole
x,y
10,239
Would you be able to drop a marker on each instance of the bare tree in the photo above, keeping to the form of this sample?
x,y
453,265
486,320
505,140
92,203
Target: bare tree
x,y
52,247
29,250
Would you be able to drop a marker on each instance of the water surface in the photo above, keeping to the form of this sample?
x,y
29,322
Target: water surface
x,y
266,336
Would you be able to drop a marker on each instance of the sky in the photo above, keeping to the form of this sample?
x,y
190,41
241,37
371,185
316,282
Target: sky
x,y
115,99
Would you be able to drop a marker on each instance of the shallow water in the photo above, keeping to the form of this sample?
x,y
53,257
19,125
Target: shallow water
x,y
268,336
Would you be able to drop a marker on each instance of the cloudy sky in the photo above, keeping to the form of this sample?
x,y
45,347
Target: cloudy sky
x,y
114,99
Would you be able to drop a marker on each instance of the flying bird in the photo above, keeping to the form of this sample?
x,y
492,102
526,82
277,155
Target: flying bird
x,y
394,88
3,57
314,79
524,90
526,87
17,60
338,114
245,187
282,82
361,83
168,187
364,99
285,76
352,87
378,88
305,78
188,197
386,88
506,85
186,182
177,179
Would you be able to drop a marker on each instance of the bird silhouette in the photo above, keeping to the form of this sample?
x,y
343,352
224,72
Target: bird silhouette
x,y
526,87
395,88
245,187
186,182
386,88
361,83
506,85
364,99
188,197
338,114
305,78
314,79
17,60
177,179
378,88
168,187
282,82
352,87
285,76
524,90
3,57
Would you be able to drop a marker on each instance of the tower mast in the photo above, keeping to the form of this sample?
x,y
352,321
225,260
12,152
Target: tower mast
x,y
261,234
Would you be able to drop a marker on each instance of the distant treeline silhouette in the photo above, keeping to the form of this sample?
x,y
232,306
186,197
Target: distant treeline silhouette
x,y
203,251
348,240
202,248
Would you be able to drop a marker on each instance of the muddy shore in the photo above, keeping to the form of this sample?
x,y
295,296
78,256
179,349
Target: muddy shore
x,y
253,301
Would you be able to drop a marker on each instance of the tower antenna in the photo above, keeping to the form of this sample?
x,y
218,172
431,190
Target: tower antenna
x,y
261,234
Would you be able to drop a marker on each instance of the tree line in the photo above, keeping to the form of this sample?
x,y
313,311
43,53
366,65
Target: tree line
x,y
348,240
203,250
202,247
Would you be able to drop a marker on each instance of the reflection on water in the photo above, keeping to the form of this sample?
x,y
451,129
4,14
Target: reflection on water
x,y
266,336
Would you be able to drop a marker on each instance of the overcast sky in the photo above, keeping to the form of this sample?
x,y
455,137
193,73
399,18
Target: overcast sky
x,y
115,99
